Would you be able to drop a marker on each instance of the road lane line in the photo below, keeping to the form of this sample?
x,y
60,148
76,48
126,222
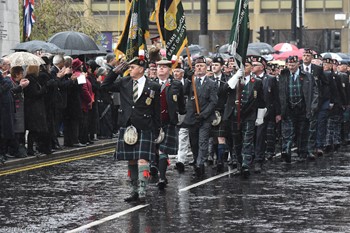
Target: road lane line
x,y
106,219
54,162
206,181
216,177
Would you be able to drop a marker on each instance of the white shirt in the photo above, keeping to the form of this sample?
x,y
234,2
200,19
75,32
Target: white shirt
x,y
141,84
246,79
218,78
309,68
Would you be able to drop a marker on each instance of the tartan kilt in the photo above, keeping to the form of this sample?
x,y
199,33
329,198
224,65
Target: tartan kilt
x,y
220,130
170,143
143,149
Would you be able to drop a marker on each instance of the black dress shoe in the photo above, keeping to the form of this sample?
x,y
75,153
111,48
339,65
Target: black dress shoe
x,y
245,171
319,152
258,167
141,200
180,167
133,197
301,158
311,157
219,168
161,184
286,157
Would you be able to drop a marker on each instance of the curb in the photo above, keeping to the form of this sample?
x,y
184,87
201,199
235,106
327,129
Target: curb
x,y
65,153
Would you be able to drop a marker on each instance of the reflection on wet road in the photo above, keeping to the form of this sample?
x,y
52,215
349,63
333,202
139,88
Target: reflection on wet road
x,y
308,197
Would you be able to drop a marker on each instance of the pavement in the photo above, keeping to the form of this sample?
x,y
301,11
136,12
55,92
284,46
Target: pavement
x,y
65,152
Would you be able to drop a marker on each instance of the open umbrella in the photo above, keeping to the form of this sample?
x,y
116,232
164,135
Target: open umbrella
x,y
25,59
71,40
337,56
284,47
285,55
261,47
195,51
35,45
225,49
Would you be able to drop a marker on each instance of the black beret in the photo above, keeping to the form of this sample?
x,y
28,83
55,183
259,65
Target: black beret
x,y
138,61
259,59
218,60
200,60
292,59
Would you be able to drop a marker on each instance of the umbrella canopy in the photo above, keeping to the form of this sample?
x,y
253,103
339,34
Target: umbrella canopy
x,y
285,55
337,56
25,59
261,47
35,45
284,47
195,51
71,40
225,49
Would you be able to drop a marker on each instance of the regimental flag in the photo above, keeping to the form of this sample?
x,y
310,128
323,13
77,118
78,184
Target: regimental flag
x,y
171,26
239,37
28,17
135,31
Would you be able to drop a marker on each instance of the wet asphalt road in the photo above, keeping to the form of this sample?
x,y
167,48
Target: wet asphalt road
x,y
307,197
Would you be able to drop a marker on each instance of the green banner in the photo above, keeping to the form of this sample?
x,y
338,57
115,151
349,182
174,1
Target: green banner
x,y
239,37
171,26
135,30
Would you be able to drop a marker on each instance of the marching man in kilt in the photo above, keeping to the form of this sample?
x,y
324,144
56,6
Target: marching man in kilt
x,y
139,122
245,109
219,129
172,102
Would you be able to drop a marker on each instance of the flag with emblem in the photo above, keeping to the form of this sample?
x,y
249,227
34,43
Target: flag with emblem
x,y
28,17
171,26
135,31
239,37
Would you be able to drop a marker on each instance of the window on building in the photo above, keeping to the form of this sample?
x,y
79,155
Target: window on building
x,y
278,6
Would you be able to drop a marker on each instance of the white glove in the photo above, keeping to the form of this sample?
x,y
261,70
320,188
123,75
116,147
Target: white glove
x,y
260,116
232,82
331,105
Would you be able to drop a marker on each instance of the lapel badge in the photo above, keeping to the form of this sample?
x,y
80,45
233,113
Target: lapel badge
x,y
148,101
175,98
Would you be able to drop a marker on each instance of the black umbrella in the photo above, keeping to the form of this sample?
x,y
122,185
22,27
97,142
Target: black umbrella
x,y
262,48
71,40
226,49
35,45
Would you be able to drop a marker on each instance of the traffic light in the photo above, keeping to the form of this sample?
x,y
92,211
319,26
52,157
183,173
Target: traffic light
x,y
268,35
261,34
335,45
273,36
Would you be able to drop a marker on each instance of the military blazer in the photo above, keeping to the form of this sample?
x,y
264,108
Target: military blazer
x,y
144,114
207,100
271,96
323,83
310,92
175,100
222,95
255,100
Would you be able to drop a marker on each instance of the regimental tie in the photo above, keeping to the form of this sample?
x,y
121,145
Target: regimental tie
x,y
135,91
307,69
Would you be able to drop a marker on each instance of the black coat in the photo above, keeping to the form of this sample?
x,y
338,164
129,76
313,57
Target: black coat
x,y
207,100
145,113
34,105
271,97
222,95
250,108
6,108
310,92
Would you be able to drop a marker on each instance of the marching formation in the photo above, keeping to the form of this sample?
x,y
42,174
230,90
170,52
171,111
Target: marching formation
x,y
223,113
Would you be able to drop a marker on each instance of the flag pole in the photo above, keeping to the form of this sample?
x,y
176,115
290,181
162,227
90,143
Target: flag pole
x,y
24,21
193,81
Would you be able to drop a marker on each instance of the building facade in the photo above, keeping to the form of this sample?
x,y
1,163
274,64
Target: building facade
x,y
326,22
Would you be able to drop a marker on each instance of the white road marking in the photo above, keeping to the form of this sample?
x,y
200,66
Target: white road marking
x,y
206,181
114,216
